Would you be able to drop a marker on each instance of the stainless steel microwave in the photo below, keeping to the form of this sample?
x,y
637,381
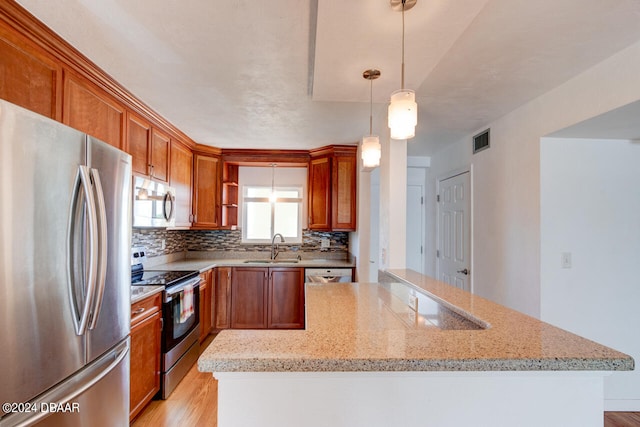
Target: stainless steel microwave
x,y
153,204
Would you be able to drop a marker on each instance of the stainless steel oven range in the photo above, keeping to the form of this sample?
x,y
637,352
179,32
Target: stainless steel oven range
x,y
181,321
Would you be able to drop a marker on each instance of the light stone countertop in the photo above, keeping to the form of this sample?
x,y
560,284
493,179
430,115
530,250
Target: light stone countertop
x,y
139,293
203,265
351,327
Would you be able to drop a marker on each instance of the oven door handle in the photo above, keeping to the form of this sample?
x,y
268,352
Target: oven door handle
x,y
177,289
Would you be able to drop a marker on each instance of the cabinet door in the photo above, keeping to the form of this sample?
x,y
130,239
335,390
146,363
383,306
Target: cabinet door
x,y
343,192
286,298
137,144
206,191
249,298
222,298
320,194
28,77
181,167
159,155
145,362
205,306
91,111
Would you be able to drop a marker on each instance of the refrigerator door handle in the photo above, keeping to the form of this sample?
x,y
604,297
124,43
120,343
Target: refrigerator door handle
x,y
102,247
71,388
81,320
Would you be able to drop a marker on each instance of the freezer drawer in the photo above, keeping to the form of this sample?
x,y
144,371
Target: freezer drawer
x,y
97,396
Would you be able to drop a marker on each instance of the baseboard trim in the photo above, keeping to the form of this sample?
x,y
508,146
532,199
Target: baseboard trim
x,y
622,405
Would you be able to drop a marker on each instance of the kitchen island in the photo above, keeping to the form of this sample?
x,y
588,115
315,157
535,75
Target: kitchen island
x,y
368,358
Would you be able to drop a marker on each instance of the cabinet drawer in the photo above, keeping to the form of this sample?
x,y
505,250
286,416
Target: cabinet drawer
x,y
145,308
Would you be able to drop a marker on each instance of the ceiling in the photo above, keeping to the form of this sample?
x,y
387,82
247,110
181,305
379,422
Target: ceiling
x,y
287,74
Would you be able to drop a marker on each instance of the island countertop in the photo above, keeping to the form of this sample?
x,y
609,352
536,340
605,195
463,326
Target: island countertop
x,y
355,327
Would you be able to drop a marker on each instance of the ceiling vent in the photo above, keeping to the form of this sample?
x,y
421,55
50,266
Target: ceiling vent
x,y
481,141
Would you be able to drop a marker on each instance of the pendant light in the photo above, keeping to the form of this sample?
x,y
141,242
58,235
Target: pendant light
x,y
403,110
371,150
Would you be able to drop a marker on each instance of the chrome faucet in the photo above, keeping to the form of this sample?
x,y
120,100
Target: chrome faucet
x,y
274,245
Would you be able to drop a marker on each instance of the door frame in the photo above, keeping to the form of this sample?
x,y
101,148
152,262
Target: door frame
x,y
423,211
439,179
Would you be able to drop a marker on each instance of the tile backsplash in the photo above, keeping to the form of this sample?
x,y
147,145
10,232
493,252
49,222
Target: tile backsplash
x,y
229,240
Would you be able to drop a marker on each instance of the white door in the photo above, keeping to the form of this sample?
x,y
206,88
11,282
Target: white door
x,y
415,231
454,249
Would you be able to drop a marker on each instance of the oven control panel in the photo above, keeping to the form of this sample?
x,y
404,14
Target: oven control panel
x,y
138,255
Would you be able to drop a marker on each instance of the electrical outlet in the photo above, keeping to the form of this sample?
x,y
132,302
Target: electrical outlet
x,y
413,302
325,242
565,259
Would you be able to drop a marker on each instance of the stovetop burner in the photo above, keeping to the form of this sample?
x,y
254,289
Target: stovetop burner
x,y
159,277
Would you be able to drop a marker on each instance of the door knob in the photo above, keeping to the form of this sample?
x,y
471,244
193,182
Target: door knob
x,y
465,271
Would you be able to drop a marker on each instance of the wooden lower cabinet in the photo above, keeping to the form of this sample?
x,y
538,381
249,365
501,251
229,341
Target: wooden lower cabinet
x,y
222,298
249,297
286,298
146,329
206,300
267,298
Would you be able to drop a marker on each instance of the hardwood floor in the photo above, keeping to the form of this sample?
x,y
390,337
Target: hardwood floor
x,y
193,403
621,419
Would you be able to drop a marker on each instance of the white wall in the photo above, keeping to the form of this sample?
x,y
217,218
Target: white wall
x,y
506,177
590,207
393,200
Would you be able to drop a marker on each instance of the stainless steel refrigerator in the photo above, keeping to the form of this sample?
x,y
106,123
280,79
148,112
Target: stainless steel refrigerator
x,y
65,212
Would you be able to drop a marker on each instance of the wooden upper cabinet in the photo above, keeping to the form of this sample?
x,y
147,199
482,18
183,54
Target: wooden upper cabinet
x,y
138,137
181,178
28,77
343,192
92,111
160,145
206,191
149,148
333,188
320,193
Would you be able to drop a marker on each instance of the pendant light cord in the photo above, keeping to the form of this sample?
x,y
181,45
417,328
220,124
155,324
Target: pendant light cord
x,y
273,175
370,107
402,71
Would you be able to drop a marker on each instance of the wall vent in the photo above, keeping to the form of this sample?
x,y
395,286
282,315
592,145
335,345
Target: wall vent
x,y
481,141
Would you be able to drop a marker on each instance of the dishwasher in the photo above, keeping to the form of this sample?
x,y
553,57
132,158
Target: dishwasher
x,y
328,275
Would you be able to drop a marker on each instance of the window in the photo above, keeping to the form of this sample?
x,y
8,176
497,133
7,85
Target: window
x,y
262,218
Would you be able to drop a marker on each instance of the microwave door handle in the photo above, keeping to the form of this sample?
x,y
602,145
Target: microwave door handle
x,y
168,200
81,320
102,246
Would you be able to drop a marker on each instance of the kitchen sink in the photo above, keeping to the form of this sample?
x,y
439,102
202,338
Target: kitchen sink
x,y
271,261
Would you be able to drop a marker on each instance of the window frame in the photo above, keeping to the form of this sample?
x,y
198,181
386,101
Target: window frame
x,y
297,200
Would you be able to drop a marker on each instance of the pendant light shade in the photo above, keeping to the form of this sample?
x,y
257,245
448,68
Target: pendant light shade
x,y
371,149
403,110
403,114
